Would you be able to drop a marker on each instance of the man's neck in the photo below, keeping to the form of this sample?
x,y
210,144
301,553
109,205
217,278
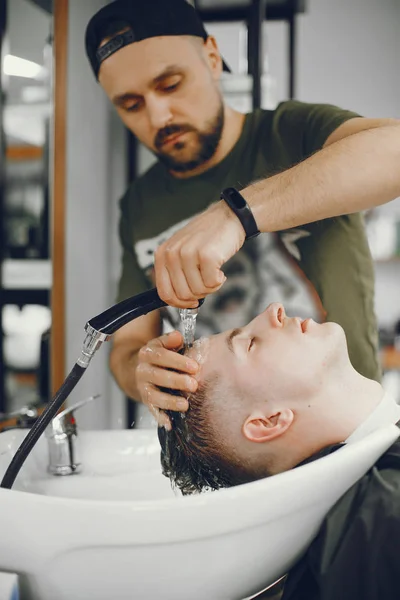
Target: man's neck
x,y
347,403
233,126
329,418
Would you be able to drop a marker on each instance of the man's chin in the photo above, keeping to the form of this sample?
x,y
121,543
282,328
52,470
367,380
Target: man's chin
x,y
336,340
181,164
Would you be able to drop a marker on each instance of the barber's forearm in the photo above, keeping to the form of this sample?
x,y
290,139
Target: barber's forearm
x,y
123,363
353,174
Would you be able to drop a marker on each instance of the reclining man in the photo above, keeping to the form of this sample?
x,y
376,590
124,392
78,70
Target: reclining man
x,y
276,393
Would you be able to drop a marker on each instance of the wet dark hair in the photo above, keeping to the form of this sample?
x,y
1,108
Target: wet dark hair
x,y
192,456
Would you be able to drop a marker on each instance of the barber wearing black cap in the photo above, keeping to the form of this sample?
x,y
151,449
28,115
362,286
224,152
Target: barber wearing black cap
x,y
162,71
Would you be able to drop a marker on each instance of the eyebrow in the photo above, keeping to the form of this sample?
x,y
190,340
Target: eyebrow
x,y
231,336
168,72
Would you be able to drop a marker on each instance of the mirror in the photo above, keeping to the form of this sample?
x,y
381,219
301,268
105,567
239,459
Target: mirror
x,y
26,278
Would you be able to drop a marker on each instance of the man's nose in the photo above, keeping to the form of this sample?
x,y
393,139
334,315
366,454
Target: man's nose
x,y
159,112
272,317
275,314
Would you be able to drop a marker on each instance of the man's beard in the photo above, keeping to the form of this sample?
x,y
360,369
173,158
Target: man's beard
x,y
207,141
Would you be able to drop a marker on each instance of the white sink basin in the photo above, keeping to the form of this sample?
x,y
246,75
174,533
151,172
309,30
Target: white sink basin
x,y
118,531
117,465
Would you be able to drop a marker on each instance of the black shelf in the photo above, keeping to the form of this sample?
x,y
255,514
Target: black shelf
x,y
275,10
20,297
254,12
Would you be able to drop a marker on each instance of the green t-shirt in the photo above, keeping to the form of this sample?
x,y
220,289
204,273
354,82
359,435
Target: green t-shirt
x,y
323,269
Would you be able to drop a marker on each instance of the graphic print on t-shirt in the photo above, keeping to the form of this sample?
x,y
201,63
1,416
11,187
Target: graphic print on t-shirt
x,y
260,273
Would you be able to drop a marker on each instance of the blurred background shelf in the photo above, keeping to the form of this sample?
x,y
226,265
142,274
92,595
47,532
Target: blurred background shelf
x,y
390,260
27,274
390,358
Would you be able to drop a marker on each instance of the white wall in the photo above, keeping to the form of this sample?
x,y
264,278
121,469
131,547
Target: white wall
x,y
94,152
347,53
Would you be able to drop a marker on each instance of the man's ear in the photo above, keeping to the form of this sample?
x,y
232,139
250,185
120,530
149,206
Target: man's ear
x,y
213,56
259,427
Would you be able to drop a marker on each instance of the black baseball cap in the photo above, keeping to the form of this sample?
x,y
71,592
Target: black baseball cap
x,y
146,19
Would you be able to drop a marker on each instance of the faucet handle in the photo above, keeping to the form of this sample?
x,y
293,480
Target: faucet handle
x,y
63,422
75,406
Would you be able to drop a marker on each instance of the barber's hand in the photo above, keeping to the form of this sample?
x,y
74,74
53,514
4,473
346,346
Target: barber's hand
x,y
157,366
188,265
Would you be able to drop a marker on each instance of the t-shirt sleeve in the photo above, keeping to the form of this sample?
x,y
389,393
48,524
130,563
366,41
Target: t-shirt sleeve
x,y
305,127
132,280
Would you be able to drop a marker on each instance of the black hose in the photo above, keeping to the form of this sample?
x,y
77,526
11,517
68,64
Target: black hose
x,y
126,311
106,323
38,428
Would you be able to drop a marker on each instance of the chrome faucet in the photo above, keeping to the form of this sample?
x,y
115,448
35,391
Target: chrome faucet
x,y
63,441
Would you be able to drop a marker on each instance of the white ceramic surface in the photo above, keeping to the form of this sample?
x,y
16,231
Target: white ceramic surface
x,y
118,531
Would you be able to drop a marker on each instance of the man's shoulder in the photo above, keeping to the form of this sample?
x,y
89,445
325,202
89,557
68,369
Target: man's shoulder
x,y
267,116
290,112
285,107
284,114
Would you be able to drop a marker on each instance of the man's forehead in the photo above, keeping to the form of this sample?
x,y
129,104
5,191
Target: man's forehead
x,y
200,350
211,353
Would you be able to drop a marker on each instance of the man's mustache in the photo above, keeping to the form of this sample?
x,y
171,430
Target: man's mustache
x,y
166,132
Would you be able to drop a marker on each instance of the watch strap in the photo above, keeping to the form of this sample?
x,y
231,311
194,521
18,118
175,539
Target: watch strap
x,y
242,210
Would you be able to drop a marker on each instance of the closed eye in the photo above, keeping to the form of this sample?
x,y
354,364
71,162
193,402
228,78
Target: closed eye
x,y
132,108
170,88
252,343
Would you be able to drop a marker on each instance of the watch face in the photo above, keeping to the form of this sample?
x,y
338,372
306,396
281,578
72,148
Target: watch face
x,y
233,197
238,199
242,210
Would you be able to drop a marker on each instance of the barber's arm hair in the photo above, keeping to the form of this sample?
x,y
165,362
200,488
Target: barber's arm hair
x,y
357,169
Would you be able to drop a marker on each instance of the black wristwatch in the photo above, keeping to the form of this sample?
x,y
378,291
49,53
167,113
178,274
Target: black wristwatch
x,y
242,210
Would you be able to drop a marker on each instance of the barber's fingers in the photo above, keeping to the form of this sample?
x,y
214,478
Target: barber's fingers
x,y
189,262
166,285
162,419
163,281
163,284
179,284
209,264
147,374
162,367
155,397
162,352
170,341
158,401
183,275
191,268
